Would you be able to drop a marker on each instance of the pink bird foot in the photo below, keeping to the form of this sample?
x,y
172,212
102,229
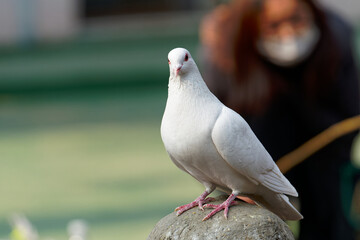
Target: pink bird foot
x,y
223,206
197,202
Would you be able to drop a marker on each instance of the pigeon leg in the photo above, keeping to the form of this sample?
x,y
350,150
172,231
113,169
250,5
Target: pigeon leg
x,y
197,202
223,206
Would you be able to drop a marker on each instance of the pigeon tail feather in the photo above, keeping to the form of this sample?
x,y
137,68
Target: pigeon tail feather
x,y
278,204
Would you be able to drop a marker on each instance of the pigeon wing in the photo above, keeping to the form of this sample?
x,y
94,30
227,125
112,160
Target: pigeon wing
x,y
241,149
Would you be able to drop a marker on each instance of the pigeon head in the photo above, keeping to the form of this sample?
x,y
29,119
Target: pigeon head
x,y
180,62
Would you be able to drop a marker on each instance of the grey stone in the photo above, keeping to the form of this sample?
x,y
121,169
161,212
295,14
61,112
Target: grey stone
x,y
245,221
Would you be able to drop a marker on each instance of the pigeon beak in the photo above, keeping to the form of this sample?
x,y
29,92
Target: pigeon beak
x,y
177,69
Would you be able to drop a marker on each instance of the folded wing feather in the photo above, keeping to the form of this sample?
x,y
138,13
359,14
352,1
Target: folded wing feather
x,y
241,149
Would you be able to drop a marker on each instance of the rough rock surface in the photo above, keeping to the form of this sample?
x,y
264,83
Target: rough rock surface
x,y
244,221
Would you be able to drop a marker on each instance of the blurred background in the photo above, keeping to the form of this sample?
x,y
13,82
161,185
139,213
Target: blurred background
x,y
83,85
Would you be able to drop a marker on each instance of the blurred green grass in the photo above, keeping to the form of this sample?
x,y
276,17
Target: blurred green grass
x,y
80,135
95,155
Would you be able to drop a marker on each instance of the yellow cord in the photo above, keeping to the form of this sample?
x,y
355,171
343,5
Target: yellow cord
x,y
297,156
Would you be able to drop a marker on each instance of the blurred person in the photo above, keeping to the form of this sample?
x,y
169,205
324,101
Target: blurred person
x,y
287,67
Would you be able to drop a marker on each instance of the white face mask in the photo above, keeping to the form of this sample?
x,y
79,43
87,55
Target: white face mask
x,y
290,51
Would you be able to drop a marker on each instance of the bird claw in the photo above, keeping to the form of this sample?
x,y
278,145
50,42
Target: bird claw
x,y
223,206
209,199
197,202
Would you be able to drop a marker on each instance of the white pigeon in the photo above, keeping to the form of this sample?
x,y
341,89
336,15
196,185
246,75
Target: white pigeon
x,y
217,147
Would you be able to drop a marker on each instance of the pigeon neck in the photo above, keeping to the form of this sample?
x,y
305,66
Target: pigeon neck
x,y
190,82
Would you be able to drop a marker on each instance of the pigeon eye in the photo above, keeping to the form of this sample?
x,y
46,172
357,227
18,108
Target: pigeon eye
x,y
186,57
169,61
